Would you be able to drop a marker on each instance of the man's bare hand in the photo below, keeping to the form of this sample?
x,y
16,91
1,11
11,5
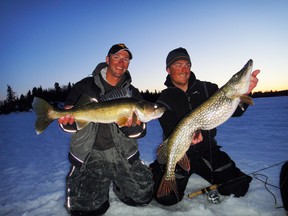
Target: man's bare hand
x,y
197,137
67,119
253,81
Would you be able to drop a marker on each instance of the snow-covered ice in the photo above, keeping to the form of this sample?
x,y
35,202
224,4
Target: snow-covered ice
x,y
33,167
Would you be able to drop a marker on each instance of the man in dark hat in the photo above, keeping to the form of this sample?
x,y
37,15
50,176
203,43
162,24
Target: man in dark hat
x,y
183,94
101,154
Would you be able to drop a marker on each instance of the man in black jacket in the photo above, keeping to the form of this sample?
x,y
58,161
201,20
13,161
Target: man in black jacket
x,y
101,154
183,94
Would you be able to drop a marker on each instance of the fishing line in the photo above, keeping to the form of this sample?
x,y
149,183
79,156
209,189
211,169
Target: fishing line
x,y
212,195
268,167
210,159
253,174
209,137
265,185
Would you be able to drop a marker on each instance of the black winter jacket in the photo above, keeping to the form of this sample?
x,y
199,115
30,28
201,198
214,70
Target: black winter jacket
x,y
179,103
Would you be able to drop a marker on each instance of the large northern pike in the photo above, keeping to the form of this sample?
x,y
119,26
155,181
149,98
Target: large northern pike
x,y
117,110
210,114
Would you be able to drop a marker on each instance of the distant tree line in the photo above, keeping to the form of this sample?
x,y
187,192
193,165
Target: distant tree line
x,y
58,95
270,94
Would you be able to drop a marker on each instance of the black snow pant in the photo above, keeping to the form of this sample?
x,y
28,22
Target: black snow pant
x,y
87,192
214,166
284,185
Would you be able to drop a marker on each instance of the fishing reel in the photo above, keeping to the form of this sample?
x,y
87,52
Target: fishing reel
x,y
213,197
211,192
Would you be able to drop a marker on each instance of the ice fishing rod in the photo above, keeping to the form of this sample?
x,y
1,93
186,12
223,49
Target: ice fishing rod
x,y
268,167
203,191
214,199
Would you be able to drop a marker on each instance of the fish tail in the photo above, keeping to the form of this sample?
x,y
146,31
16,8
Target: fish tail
x,y
42,109
166,187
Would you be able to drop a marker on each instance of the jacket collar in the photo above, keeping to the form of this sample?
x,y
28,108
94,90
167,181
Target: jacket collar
x,y
98,79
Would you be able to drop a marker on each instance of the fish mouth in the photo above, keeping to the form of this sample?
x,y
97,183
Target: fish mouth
x,y
247,69
241,80
160,108
244,73
158,115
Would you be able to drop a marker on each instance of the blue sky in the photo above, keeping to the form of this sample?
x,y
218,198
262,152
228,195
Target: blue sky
x,y
43,42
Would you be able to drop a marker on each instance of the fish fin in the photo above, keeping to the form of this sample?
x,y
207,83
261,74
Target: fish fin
x,y
42,109
117,93
84,100
166,187
121,121
80,124
161,152
246,99
184,163
134,119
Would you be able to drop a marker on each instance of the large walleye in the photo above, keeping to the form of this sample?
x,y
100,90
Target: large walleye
x,y
117,110
213,112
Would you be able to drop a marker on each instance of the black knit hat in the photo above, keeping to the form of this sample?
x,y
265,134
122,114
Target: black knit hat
x,y
117,47
177,54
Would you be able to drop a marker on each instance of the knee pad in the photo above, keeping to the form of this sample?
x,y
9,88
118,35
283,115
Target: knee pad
x,y
129,201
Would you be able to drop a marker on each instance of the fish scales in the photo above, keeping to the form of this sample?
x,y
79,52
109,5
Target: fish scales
x,y
104,114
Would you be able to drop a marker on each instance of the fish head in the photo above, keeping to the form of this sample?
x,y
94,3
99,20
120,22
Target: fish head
x,y
147,111
239,83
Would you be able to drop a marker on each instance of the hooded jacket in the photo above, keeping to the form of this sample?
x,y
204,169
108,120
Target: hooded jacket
x,y
179,103
83,141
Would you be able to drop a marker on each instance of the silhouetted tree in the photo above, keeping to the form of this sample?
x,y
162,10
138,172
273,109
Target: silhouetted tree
x,y
11,95
57,87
